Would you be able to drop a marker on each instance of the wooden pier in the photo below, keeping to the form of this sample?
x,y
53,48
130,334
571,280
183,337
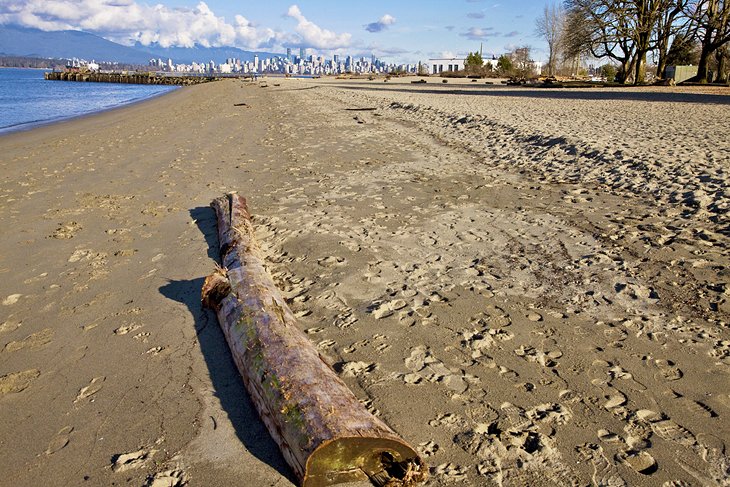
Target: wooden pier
x,y
128,78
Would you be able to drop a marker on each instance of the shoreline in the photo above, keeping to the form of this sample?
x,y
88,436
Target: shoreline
x,y
28,126
77,121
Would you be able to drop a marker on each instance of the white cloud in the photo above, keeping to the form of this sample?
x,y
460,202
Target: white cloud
x,y
310,34
381,24
479,33
127,21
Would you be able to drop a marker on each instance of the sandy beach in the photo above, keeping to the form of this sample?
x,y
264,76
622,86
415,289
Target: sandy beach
x,y
530,286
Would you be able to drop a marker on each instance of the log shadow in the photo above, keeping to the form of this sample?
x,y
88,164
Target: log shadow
x,y
227,383
204,217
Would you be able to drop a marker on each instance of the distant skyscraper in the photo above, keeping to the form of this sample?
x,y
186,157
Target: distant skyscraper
x,y
337,58
256,64
288,53
301,53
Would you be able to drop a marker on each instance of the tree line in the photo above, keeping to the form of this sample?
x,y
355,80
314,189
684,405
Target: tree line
x,y
517,63
627,32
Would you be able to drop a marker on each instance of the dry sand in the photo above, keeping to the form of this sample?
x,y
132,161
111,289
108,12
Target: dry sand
x,y
530,286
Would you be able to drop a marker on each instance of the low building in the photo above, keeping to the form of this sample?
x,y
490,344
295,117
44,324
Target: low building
x,y
680,73
440,65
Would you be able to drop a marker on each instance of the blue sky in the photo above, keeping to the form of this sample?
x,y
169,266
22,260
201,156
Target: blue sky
x,y
405,30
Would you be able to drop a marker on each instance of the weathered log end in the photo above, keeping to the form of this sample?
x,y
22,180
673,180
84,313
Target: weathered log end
x,y
385,462
215,288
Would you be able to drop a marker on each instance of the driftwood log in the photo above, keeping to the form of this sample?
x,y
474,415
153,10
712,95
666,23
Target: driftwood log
x,y
325,434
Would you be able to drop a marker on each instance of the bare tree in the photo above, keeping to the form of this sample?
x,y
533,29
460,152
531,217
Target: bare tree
x,y
599,27
721,56
626,30
713,19
522,63
645,27
550,26
669,28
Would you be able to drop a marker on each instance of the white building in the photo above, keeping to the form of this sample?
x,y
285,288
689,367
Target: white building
x,y
445,64
437,66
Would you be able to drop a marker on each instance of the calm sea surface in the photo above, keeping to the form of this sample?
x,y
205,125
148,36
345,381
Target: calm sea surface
x,y
26,99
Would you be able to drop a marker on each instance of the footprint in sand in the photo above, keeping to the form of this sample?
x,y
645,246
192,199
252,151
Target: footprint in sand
x,y
428,448
607,436
387,308
154,351
59,441
671,431
412,379
697,408
35,341
142,337
331,261
94,386
17,381
637,435
614,400
449,472
358,369
12,299
447,419
168,478
66,230
9,326
668,370
325,344
422,363
640,461
604,472
123,330
128,461
512,417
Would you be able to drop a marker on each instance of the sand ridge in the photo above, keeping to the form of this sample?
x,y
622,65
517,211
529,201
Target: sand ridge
x,y
527,292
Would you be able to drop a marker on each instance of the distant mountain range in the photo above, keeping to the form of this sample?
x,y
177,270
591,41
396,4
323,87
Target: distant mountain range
x,y
65,44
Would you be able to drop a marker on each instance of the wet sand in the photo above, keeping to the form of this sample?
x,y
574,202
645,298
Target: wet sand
x,y
530,286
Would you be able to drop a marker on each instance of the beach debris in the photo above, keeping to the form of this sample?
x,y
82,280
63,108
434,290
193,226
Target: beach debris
x,y
325,434
241,105
366,109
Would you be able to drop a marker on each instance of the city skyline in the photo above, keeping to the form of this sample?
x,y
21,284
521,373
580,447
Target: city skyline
x,y
403,32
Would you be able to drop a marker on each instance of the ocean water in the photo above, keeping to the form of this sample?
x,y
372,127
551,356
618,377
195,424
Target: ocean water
x,y
27,100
